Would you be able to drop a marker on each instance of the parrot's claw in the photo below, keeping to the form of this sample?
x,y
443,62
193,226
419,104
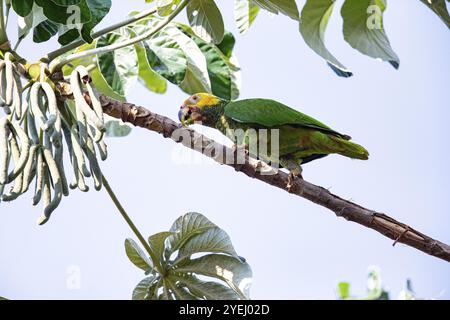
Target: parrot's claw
x,y
240,152
292,175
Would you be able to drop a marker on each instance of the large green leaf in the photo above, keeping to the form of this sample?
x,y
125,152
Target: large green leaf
x,y
158,243
315,15
206,20
187,226
29,22
147,76
287,7
166,7
363,29
44,31
440,8
119,68
166,57
245,12
145,289
212,240
180,292
99,9
177,58
65,14
205,289
235,273
137,255
223,74
22,7
117,129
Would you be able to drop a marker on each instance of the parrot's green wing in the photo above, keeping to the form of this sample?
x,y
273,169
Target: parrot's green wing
x,y
270,113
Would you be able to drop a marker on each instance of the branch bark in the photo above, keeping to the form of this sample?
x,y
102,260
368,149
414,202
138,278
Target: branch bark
x,y
387,226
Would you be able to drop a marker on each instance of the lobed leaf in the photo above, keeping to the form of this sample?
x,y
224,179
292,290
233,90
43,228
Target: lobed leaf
x,y
137,255
315,15
206,20
364,31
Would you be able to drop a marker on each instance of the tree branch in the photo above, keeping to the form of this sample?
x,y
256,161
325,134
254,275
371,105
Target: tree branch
x,y
389,227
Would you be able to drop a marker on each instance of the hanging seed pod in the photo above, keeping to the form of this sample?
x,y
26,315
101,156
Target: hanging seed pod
x,y
9,69
93,163
76,79
4,150
35,104
17,96
17,189
55,116
53,173
46,196
17,131
59,154
40,172
30,169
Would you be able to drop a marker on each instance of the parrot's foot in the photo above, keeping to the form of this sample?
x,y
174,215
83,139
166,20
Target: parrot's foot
x,y
297,172
240,152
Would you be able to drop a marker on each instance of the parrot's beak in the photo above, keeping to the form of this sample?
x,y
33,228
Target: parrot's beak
x,y
181,115
184,116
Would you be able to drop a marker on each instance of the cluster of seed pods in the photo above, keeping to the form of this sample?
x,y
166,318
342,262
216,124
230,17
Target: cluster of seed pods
x,y
38,127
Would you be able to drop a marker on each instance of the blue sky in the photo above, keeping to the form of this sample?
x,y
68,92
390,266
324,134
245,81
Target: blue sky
x,y
296,249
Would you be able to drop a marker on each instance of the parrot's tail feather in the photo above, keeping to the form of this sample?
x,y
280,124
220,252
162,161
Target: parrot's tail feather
x,y
352,150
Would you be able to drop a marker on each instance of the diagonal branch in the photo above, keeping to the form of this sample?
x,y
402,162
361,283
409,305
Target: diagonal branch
x,y
389,227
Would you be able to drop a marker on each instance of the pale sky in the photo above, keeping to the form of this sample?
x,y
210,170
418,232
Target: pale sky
x,y
295,248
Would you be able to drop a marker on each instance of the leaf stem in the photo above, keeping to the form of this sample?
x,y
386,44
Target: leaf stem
x,y
54,54
55,66
4,45
132,226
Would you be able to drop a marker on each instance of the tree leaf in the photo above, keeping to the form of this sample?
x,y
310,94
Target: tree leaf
x,y
144,290
187,226
119,68
26,24
205,289
227,44
363,29
177,58
440,8
44,31
66,3
237,274
22,7
315,15
222,72
157,243
66,15
287,7
166,7
137,255
212,240
164,55
206,20
147,76
117,129
180,292
98,9
245,12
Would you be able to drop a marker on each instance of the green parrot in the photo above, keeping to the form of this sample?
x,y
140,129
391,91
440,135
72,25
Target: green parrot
x,y
301,138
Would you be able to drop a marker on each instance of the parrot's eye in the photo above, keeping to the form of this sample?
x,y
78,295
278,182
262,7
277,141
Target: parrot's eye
x,y
194,98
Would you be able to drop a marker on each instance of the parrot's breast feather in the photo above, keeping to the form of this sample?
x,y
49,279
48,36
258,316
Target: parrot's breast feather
x,y
272,114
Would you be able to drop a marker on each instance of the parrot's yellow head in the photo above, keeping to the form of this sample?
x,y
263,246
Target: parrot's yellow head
x,y
200,107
